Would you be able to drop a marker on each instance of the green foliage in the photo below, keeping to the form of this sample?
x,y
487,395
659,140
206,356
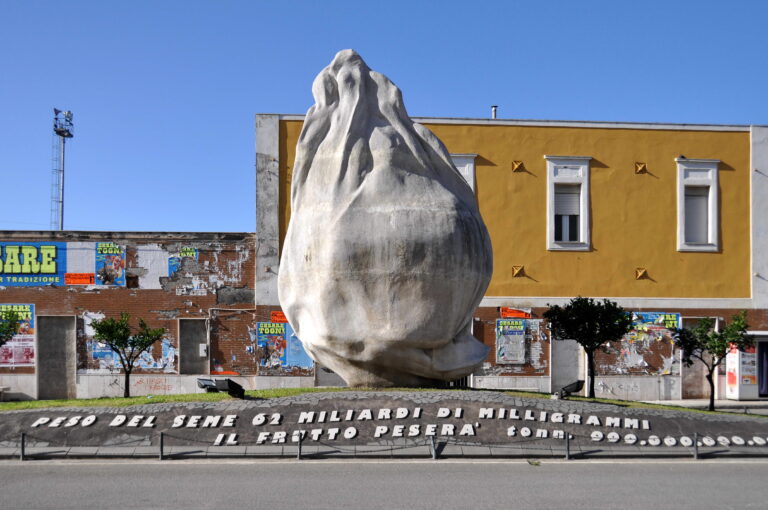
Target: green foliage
x,y
9,325
124,340
590,323
709,346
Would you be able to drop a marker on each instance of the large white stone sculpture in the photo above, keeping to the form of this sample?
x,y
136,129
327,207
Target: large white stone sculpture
x,y
386,256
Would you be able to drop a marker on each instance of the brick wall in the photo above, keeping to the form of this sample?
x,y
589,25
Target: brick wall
x,y
218,278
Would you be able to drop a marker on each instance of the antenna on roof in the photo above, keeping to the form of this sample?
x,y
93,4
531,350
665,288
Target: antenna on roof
x,y
62,129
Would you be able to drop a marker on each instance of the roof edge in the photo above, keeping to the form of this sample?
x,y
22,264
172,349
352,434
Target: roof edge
x,y
561,123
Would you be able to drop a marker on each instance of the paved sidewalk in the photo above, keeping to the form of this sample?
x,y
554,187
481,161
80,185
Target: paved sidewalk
x,y
736,406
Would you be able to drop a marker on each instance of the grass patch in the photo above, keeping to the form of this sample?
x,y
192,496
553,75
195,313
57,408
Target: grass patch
x,y
187,397
289,392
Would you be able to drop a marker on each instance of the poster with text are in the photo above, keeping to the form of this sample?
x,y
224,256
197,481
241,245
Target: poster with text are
x,y
19,351
110,264
32,264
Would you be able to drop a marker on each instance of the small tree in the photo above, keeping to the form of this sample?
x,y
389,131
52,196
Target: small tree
x,y
590,323
711,347
9,325
125,342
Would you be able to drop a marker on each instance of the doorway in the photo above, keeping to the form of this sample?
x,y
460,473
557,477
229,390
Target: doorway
x,y
56,357
762,369
193,346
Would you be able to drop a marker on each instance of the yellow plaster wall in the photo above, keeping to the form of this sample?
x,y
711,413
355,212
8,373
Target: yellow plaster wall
x,y
633,215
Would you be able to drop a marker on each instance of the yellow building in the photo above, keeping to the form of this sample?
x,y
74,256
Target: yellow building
x,y
658,217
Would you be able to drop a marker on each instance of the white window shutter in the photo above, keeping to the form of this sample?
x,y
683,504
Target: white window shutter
x,y
567,199
696,214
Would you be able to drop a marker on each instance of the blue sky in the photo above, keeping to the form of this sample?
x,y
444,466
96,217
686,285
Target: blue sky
x,y
164,92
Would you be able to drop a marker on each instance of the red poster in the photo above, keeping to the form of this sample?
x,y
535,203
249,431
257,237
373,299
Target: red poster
x,y
79,278
513,313
277,316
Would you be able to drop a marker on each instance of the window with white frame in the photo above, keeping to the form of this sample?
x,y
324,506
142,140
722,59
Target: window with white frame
x,y
465,164
697,209
568,203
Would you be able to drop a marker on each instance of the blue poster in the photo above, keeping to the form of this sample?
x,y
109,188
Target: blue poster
x,y
279,346
110,264
295,355
270,337
174,262
105,358
658,319
32,264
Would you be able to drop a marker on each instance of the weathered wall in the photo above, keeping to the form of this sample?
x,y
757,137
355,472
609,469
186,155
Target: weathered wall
x,y
159,277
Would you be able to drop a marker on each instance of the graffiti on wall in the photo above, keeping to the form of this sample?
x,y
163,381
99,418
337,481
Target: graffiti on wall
x,y
20,350
648,349
278,350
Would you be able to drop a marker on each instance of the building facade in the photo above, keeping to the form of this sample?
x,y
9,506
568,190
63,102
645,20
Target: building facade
x,y
667,220
198,286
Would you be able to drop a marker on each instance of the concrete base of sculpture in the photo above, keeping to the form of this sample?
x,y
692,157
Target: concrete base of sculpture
x,y
386,256
364,422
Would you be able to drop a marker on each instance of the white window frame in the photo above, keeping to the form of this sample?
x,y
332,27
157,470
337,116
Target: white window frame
x,y
465,164
698,173
568,170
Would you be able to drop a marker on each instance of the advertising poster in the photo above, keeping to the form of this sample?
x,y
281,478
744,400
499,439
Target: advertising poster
x,y
106,359
535,330
656,320
279,346
749,366
20,350
174,261
277,316
32,264
80,279
510,341
270,337
295,355
731,373
651,337
514,313
110,264
103,356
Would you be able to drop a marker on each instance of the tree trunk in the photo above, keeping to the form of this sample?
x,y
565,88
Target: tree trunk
x,y
127,390
711,381
591,373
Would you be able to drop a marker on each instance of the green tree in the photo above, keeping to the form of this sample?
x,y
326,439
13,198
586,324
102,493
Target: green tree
x,y
128,343
590,323
711,347
9,325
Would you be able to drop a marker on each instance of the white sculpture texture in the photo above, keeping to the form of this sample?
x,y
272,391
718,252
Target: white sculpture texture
x,y
386,256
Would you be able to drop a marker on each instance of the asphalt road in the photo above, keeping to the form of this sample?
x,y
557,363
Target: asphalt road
x,y
370,485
